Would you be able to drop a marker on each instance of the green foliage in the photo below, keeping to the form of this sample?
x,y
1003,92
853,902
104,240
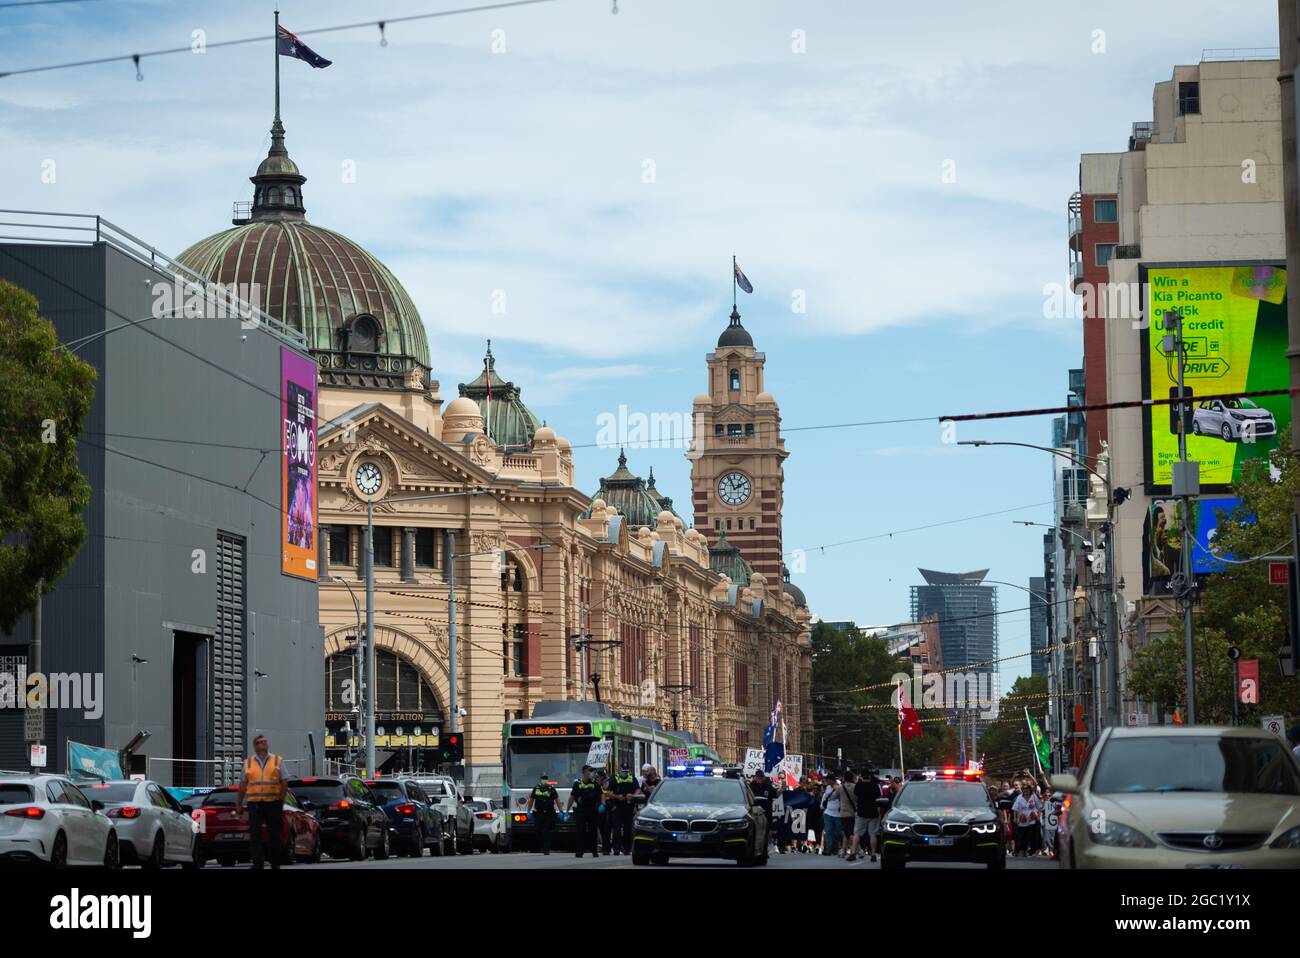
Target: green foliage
x,y
45,394
1238,607
1006,745
848,660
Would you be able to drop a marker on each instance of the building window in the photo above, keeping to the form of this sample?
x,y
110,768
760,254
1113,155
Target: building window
x,y
776,680
1189,98
1074,486
728,523
363,335
733,431
749,429
717,430
425,550
751,522
717,524
697,662
517,646
735,379
340,545
383,547
1104,251
742,683
1105,211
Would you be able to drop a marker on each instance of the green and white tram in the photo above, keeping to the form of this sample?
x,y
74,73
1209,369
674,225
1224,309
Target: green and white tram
x,y
555,742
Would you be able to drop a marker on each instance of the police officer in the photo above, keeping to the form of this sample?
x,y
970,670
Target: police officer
x,y
623,794
544,802
605,813
586,795
761,787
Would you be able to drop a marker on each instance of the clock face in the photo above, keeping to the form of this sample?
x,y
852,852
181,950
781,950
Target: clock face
x,y
734,488
369,478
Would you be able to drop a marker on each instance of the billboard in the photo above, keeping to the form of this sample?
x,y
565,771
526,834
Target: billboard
x,y
1162,545
1235,334
297,464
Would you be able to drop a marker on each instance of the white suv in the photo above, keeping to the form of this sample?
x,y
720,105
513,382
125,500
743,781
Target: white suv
x,y
458,819
46,818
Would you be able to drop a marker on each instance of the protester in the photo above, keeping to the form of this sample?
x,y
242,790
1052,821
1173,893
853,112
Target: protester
x,y
1027,811
832,829
866,824
848,813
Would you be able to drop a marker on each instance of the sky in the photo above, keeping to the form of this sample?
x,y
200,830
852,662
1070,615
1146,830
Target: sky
x,y
571,183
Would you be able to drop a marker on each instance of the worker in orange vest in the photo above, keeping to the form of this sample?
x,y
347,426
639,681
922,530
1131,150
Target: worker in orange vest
x,y
263,785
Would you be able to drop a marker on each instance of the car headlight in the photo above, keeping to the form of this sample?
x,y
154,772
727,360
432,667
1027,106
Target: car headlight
x,y
1114,835
1236,415
984,828
734,825
648,823
891,826
1288,839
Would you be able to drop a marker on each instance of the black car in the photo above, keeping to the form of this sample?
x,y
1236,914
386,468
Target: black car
x,y
414,822
352,818
702,816
951,820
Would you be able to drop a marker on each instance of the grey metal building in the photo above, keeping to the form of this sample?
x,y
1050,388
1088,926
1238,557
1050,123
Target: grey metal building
x,y
968,621
177,595
1037,624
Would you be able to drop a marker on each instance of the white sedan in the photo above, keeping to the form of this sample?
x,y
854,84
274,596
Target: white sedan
x,y
152,828
1183,797
46,818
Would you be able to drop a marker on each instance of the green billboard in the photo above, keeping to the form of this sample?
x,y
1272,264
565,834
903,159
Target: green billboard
x,y
1235,341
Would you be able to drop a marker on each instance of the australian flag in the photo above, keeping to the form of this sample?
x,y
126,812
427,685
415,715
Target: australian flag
x,y
291,46
773,751
742,280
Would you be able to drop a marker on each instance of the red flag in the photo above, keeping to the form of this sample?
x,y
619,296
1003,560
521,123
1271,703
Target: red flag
x,y
908,723
1178,719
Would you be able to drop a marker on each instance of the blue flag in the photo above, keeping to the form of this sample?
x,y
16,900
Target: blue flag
x,y
742,280
291,46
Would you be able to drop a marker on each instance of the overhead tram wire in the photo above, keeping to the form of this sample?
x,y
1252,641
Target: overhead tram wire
x,y
138,58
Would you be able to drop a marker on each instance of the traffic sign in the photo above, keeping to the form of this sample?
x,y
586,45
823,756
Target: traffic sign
x,y
39,756
1279,573
1275,724
33,725
1136,719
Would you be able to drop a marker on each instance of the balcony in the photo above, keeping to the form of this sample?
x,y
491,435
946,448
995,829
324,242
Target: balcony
x,y
1074,220
1076,272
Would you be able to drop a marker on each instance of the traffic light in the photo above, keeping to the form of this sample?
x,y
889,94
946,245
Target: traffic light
x,y
1187,410
452,748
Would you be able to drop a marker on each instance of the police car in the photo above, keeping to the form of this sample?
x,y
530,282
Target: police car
x,y
695,813
947,817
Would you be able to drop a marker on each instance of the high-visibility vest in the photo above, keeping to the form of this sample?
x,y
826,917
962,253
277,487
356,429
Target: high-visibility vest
x,y
263,781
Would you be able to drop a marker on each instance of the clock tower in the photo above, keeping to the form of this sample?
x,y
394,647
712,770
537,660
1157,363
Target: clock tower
x,y
737,452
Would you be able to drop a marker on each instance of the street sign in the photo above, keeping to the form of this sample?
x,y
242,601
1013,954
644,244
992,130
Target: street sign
x,y
1275,724
753,761
1248,681
1137,719
1279,573
33,725
39,756
598,754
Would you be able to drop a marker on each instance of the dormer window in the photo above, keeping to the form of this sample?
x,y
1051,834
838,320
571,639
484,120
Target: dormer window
x,y
363,335
735,379
275,196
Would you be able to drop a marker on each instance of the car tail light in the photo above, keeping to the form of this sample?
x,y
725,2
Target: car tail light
x,y
30,811
486,815
950,771
406,808
124,811
342,806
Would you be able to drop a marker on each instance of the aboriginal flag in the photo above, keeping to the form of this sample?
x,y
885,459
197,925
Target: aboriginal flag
x,y
291,46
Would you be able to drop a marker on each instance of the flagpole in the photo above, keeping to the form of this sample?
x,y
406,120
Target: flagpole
x,y
733,282
275,49
902,766
1033,746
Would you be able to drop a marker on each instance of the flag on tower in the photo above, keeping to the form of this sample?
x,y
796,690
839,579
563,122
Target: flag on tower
x,y
741,279
289,45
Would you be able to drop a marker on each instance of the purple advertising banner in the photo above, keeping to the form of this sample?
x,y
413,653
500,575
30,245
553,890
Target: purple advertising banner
x,y
298,465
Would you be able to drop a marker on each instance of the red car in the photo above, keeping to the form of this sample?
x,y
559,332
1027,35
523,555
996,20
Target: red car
x,y
224,832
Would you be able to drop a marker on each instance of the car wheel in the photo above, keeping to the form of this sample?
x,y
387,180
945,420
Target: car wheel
x,y
438,848
449,844
1226,433
417,848
315,851
157,854
196,858
59,853
357,852
640,857
381,852
112,854
659,858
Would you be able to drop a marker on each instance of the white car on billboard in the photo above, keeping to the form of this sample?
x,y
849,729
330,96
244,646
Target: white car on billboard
x,y
1232,419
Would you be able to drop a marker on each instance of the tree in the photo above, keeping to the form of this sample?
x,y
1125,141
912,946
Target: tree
x,y
45,394
1006,745
864,723
1238,607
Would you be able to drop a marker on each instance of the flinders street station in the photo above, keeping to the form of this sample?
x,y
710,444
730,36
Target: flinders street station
x,y
688,619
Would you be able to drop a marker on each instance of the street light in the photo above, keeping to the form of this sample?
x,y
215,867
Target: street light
x,y
1113,497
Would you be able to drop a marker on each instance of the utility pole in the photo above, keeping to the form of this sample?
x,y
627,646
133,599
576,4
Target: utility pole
x,y
1288,21
1185,485
370,688
453,695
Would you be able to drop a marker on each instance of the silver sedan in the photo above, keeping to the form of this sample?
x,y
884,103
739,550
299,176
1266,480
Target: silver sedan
x,y
152,828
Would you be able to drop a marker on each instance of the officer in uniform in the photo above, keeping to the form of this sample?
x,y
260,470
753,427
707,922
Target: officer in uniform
x,y
623,792
605,813
586,795
544,802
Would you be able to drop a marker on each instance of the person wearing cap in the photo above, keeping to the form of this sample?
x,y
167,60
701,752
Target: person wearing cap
x,y
587,796
623,794
544,802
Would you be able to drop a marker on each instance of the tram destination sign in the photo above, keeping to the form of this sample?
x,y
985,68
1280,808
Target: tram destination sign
x,y
548,729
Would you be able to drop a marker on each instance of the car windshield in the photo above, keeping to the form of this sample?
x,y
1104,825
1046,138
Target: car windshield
x,y
699,791
1240,404
15,794
319,792
110,792
1208,763
942,794
386,791
434,789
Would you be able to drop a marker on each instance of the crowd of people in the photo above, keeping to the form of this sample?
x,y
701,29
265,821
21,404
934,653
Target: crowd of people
x,y
1026,805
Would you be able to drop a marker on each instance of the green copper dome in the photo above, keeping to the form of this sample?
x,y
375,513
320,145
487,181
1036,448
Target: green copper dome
x,y
359,321
627,495
505,417
725,559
